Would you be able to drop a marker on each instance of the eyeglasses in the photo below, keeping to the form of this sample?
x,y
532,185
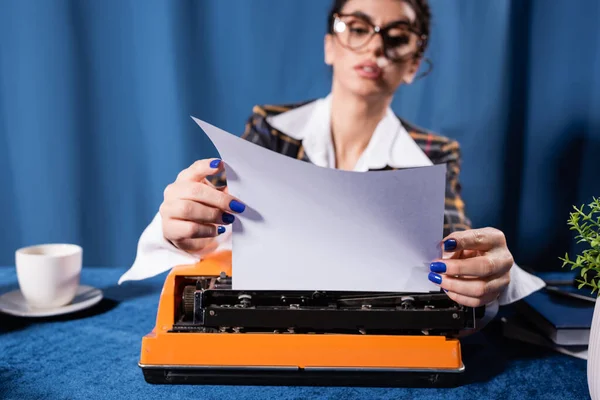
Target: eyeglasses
x,y
401,40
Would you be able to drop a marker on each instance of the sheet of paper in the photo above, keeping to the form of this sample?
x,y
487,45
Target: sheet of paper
x,y
312,228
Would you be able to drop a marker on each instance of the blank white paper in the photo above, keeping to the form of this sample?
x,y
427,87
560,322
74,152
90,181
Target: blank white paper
x,y
312,228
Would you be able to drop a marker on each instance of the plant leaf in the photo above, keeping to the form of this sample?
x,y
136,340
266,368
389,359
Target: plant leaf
x,y
584,221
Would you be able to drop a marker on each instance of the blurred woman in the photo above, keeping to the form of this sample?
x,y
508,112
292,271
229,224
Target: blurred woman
x,y
373,47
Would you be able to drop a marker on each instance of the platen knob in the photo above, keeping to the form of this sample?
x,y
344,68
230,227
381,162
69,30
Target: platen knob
x,y
188,300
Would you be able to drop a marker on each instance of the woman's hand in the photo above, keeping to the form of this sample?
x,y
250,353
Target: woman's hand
x,y
475,267
193,210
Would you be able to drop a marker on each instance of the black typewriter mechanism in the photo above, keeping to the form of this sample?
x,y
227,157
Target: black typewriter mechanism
x,y
210,305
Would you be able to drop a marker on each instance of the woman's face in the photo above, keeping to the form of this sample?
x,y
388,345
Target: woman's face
x,y
360,64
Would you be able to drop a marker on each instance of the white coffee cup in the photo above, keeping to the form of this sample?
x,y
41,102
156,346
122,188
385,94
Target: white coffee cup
x,y
49,274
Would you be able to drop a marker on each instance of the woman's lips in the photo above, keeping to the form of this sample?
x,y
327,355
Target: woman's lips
x,y
369,70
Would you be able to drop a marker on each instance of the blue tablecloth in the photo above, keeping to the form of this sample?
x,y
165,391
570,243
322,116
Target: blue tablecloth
x,y
93,354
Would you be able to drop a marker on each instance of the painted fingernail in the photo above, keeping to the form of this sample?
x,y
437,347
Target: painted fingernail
x,y
221,230
449,245
228,218
444,290
236,206
435,278
437,267
215,163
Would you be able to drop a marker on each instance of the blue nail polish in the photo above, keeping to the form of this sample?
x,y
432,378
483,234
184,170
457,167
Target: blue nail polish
x,y
221,230
228,218
215,163
445,290
236,206
437,267
435,278
449,245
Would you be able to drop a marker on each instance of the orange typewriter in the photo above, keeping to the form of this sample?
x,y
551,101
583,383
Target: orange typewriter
x,y
208,333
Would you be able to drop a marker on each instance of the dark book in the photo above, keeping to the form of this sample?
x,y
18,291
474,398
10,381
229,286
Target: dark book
x,y
513,327
564,319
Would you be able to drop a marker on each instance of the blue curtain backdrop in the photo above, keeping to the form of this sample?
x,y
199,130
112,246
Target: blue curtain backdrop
x,y
96,98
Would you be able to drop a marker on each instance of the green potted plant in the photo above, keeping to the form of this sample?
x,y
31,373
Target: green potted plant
x,y
586,222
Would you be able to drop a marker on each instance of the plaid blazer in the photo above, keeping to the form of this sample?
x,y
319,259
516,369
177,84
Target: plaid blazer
x,y
437,148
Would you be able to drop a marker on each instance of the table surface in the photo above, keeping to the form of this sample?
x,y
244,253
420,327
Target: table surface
x,y
94,354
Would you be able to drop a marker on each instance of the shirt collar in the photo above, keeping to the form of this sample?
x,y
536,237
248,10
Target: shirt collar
x,y
390,146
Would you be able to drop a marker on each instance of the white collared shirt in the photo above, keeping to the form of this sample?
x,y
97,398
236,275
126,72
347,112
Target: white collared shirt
x,y
391,145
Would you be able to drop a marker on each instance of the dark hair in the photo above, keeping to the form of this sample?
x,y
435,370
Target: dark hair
x,y
422,21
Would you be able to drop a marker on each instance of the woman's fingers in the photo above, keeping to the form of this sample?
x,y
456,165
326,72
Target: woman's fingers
x,y
180,230
475,267
200,170
191,211
492,263
205,194
471,287
474,239
461,254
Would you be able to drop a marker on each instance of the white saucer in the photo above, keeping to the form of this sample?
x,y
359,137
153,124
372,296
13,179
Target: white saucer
x,y
14,303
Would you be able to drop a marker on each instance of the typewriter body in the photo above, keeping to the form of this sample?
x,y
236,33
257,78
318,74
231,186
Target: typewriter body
x,y
208,333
